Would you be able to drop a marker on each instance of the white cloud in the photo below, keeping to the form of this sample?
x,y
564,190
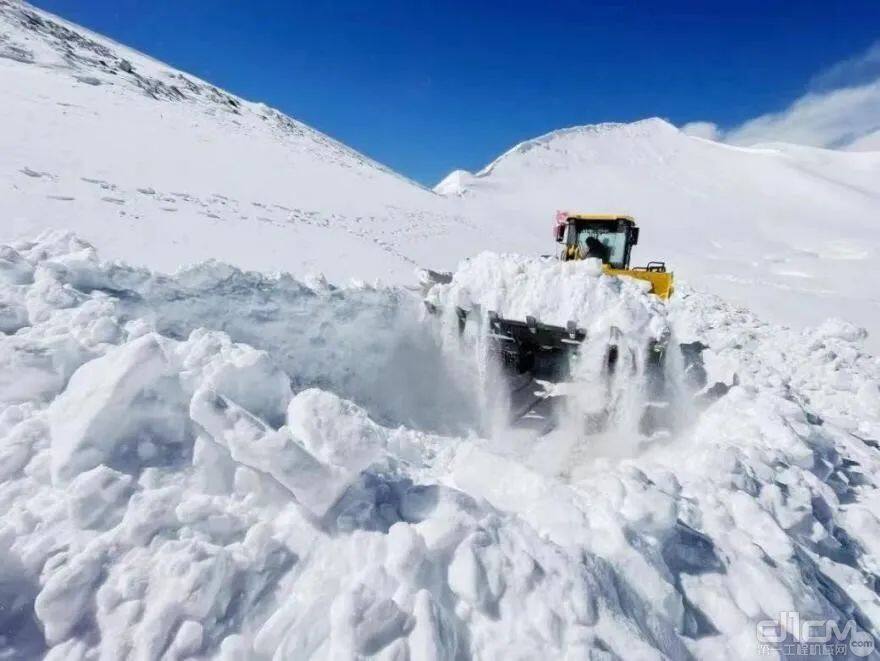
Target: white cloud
x,y
834,119
841,111
852,72
708,130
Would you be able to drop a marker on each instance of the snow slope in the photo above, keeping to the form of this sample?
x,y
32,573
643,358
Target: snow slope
x,y
160,168
168,491
789,231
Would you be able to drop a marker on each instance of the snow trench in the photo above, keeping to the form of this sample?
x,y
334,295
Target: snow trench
x,y
218,464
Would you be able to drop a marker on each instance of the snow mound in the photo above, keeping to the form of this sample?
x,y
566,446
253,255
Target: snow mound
x,y
168,491
554,292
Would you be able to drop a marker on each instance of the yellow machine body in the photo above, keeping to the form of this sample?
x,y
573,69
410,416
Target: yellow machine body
x,y
661,281
614,235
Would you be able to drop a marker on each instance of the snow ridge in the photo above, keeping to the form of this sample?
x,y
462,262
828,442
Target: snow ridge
x,y
633,130
458,181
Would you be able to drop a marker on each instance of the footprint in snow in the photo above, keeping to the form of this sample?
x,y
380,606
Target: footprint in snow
x,y
106,185
168,208
147,191
63,198
114,200
34,173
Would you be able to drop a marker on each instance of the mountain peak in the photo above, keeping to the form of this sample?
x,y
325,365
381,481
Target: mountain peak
x,y
643,128
454,183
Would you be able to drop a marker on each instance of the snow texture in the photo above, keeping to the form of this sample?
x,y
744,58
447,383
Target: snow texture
x,y
168,491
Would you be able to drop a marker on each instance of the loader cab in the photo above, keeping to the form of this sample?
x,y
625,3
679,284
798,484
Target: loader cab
x,y
616,234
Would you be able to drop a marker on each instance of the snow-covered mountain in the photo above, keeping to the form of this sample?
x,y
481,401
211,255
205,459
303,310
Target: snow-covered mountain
x,y
160,168
791,232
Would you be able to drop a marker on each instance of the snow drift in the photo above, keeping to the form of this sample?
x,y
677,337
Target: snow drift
x,y
168,491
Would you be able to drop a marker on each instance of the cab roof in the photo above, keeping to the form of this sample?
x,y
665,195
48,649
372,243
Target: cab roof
x,y
599,216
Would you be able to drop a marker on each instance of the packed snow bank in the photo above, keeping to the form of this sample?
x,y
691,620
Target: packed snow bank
x,y
351,339
170,495
554,292
169,492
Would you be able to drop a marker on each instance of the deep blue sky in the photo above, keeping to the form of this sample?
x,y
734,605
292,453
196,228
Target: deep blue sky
x,y
429,87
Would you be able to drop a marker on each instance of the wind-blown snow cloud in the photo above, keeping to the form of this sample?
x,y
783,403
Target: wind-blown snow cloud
x,y
836,119
841,110
708,130
862,69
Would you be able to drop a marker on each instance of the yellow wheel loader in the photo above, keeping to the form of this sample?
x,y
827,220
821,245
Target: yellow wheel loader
x,y
531,346
529,349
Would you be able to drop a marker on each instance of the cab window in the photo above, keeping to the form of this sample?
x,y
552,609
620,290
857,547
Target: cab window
x,y
614,242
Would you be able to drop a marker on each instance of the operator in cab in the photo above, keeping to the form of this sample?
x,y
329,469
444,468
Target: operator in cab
x,y
595,249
